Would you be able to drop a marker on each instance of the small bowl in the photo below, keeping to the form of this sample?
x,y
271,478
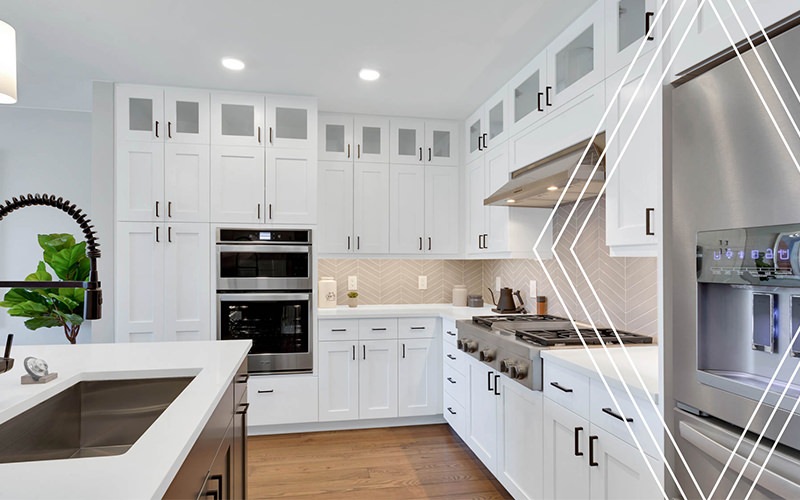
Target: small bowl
x,y
6,364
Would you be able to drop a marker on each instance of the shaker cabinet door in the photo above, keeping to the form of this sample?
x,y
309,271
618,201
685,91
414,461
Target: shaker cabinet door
x,y
187,285
291,186
140,181
407,209
442,210
186,182
237,180
335,228
338,381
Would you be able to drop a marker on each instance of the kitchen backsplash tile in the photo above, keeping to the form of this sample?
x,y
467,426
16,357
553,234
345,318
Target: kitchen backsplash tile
x,y
625,286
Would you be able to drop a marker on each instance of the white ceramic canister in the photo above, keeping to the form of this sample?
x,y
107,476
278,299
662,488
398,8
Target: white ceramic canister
x,y
327,292
460,296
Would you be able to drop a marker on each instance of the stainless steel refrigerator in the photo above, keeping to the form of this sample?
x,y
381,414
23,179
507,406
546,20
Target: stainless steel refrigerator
x,y
732,274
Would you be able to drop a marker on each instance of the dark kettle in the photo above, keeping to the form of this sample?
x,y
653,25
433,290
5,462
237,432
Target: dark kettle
x,y
506,304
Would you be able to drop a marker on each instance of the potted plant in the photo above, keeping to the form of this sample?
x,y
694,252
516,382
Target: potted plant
x,y
53,307
352,299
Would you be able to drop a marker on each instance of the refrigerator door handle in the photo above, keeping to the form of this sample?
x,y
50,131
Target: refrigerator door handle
x,y
782,483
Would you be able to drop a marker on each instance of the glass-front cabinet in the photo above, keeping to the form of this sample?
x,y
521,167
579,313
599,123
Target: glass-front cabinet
x,y
187,115
139,113
628,23
529,94
489,126
441,143
291,121
371,134
575,60
237,120
407,141
335,137
474,135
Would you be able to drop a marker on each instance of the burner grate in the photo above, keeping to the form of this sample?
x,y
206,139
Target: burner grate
x,y
570,337
488,321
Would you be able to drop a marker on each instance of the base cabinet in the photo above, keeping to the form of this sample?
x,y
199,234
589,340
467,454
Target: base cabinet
x,y
282,399
482,417
519,454
566,468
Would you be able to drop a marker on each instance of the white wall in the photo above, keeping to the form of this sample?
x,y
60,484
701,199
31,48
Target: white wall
x,y
40,151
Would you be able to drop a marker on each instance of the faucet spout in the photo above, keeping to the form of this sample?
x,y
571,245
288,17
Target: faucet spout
x,y
92,307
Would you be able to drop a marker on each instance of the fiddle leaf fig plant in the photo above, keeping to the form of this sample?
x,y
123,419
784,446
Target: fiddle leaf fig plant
x,y
53,307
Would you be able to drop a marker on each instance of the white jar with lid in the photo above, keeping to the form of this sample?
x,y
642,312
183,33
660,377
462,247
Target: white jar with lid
x,y
327,292
460,296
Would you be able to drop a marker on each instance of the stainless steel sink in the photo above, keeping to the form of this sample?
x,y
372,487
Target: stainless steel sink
x,y
89,419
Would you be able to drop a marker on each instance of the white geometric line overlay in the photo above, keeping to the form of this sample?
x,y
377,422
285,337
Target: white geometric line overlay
x,y
586,277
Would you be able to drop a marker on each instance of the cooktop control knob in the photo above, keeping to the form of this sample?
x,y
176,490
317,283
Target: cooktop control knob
x,y
470,346
488,355
504,365
518,371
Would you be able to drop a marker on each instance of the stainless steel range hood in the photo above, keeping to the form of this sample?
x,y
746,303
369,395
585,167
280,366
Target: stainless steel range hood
x,y
540,184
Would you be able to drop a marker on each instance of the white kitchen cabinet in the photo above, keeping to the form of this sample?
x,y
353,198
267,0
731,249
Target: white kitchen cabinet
x,y
186,182
566,467
335,137
371,139
419,368
139,112
291,122
442,221
474,130
338,380
282,399
187,115
370,208
417,142
291,186
476,189
406,209
162,291
497,167
530,94
621,472
576,58
237,180
627,25
520,440
335,229
140,181
377,379
489,126
484,414
238,119
633,173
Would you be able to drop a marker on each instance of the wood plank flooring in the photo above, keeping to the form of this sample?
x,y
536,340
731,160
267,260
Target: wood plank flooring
x,y
406,463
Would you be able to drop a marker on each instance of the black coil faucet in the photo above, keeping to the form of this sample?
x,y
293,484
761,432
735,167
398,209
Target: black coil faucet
x,y
92,306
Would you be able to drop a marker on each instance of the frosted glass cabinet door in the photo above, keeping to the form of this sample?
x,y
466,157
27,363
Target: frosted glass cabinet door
x,y
627,22
474,133
291,121
139,112
497,119
187,114
407,141
528,95
237,120
335,137
441,143
371,139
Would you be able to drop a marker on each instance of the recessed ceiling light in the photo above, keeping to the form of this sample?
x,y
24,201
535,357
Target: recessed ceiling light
x,y
233,63
552,188
369,74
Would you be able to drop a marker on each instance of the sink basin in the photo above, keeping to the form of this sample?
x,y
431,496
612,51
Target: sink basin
x,y
89,419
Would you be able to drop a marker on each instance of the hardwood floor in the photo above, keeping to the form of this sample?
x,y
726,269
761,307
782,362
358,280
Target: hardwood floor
x,y
394,463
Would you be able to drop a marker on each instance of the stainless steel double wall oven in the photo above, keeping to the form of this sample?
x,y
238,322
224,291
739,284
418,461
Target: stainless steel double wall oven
x,y
264,293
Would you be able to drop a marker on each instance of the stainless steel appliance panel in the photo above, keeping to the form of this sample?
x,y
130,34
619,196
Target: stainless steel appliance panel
x,y
260,267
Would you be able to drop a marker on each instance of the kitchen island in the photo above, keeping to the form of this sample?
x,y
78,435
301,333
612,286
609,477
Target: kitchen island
x,y
147,469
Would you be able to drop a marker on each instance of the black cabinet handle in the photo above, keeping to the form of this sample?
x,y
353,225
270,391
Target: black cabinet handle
x,y
338,329
548,92
484,141
451,333
258,208
420,154
451,380
259,134
489,381
485,245
169,209
244,378
404,351
169,234
647,17
358,242
169,130
429,154
215,493
418,327
379,329
648,229
592,463
450,409
539,101
267,391
420,243
158,240
430,243
450,356
365,351
354,353
497,385
348,151
270,135
479,242
479,144
245,407
270,211
609,411
578,452
358,148
348,243
560,387
156,128
157,210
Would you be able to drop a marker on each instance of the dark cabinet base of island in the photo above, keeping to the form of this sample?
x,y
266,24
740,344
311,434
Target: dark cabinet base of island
x,y
217,464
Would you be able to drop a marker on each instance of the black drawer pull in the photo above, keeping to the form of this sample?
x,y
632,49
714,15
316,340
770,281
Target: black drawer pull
x,y
245,407
244,378
338,329
451,410
451,380
451,333
578,452
560,387
267,391
419,327
450,356
379,329
497,385
609,411
592,463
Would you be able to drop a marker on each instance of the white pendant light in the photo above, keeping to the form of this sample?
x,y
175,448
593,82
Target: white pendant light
x,y
8,64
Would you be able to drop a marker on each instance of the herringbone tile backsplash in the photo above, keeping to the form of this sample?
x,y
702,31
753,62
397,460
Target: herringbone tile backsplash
x,y
614,290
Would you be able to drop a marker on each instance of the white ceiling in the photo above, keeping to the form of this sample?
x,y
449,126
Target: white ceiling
x,y
438,58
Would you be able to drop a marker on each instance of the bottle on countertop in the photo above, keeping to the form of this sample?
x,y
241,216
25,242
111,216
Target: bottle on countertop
x,y
460,296
541,305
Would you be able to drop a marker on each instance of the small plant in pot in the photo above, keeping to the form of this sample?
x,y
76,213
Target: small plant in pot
x,y
352,299
53,307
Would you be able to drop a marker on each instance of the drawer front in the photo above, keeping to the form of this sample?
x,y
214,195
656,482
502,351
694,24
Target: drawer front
x,y
454,358
449,334
455,384
605,414
282,399
377,329
417,328
338,329
567,388
240,384
455,415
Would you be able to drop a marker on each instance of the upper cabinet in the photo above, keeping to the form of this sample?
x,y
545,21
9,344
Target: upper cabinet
x,y
489,126
529,94
423,142
237,119
353,138
187,114
291,121
371,139
156,114
628,25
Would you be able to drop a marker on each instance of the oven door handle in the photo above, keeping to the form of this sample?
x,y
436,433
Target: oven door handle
x,y
262,297
250,248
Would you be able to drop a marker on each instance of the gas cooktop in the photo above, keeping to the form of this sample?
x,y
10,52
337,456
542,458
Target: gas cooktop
x,y
488,321
549,338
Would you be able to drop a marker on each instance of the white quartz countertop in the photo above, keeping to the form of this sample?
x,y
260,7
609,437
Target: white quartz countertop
x,y
403,310
645,361
148,467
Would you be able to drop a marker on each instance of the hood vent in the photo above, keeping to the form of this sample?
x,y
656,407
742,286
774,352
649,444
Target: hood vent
x,y
540,184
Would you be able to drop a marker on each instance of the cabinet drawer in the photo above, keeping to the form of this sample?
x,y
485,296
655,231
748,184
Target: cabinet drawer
x,y
282,399
567,388
449,334
455,384
240,384
417,328
377,329
338,329
455,415
605,414
454,358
